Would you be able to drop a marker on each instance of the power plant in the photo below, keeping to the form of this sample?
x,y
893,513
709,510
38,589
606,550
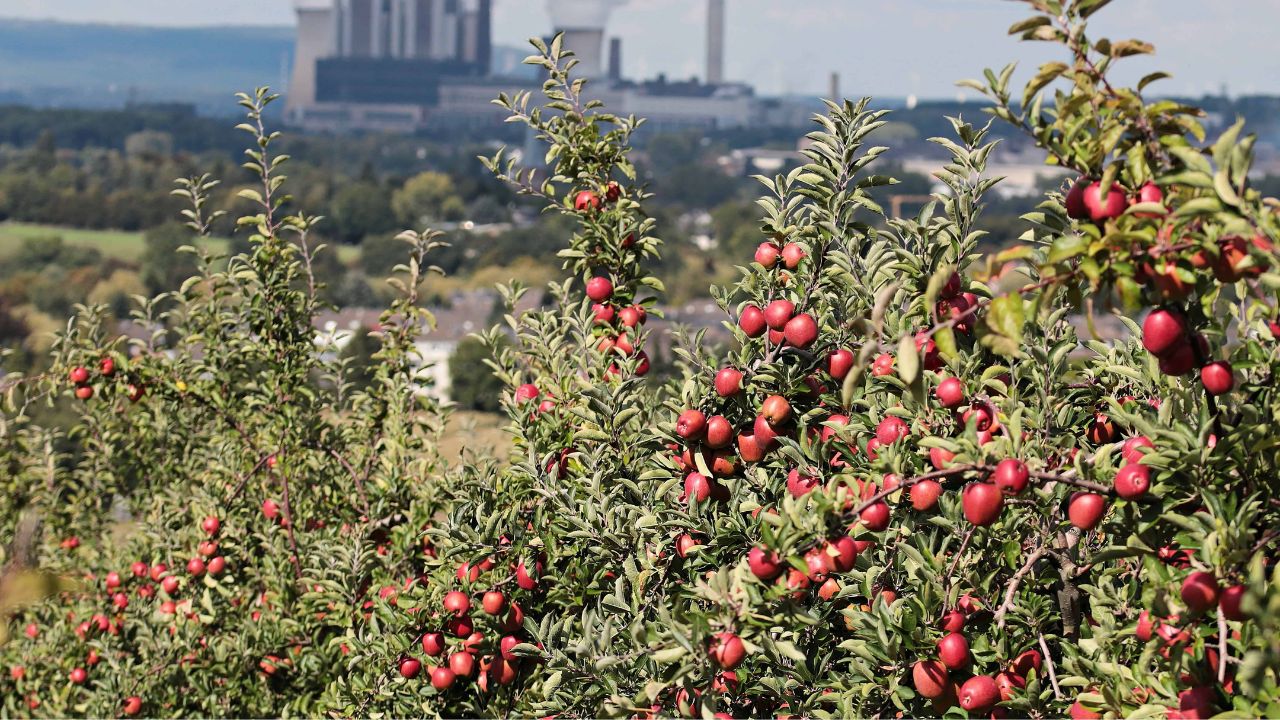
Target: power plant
x,y
408,65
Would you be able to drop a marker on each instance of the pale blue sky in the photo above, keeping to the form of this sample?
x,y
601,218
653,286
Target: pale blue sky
x,y
880,47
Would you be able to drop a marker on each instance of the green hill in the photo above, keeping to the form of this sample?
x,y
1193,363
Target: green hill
x,y
56,63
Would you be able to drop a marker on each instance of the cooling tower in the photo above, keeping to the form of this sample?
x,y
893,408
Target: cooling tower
x,y
583,23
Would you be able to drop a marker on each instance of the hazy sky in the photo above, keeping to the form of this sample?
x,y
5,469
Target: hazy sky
x,y
880,47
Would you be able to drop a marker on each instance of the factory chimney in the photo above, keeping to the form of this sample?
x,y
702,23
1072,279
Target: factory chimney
x,y
615,59
715,42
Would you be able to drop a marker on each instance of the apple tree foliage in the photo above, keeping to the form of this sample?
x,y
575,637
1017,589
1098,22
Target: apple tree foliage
x,y
917,483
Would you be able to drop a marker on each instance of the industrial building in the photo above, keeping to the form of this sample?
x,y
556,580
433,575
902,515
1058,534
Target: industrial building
x,y
409,65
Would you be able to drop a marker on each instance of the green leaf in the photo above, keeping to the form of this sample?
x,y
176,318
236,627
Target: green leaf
x,y
1030,23
1004,321
945,338
1066,247
670,655
908,359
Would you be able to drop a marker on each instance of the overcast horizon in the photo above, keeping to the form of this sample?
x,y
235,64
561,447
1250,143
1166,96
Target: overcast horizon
x,y
917,47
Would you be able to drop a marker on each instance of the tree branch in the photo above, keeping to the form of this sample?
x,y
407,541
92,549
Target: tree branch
x,y
1048,663
1015,582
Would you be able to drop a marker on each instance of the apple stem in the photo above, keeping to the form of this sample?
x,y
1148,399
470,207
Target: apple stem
x,y
1048,662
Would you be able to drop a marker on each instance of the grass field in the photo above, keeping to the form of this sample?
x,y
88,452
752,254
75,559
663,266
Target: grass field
x,y
118,244
477,432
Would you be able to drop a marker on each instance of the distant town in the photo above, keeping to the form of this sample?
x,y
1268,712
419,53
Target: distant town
x,y
386,105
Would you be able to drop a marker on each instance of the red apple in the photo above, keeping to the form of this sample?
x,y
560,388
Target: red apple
x,y
1080,712
1011,476
764,564
727,650
953,287
1200,591
1197,702
925,493
409,668
78,676
696,487
1085,510
526,576
979,693
792,254
752,321
940,458
691,424
829,427
586,201
602,314
457,603
801,331
776,410
210,525
433,644
1178,360
599,289
493,602
890,430
195,566
719,432
952,621
1230,600
526,392
684,543
1132,481
799,485
1009,683
132,705
882,365
777,313
767,254
982,503
930,678
79,375
462,664
728,382
1145,626
1104,206
950,392
839,363
1132,450
217,565
751,448
1217,377
632,316
442,678
1148,193
875,516
846,553
1162,330
1076,209
953,651
1101,431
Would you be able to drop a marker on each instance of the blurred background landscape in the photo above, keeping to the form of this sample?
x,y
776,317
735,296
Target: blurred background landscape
x,y
387,104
